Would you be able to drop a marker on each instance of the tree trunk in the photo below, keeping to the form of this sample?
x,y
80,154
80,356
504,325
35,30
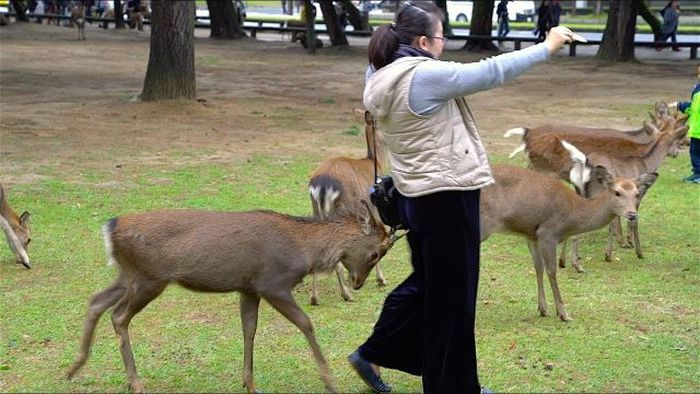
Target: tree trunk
x,y
20,10
310,20
335,31
446,27
170,73
618,38
225,20
481,25
598,7
119,15
355,16
651,19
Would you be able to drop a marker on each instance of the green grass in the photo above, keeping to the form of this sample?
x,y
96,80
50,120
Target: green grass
x,y
635,325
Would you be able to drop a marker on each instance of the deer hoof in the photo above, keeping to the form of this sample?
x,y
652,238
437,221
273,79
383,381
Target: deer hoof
x,y
562,264
381,282
348,298
608,257
565,317
314,301
579,269
639,256
543,312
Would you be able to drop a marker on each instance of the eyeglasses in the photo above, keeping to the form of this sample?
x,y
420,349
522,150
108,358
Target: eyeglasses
x,y
443,39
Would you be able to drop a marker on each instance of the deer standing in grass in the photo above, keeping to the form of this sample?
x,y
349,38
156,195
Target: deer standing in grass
x,y
16,229
547,154
342,183
260,254
543,210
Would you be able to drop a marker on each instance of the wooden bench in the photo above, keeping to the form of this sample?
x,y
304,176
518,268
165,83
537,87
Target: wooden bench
x,y
517,43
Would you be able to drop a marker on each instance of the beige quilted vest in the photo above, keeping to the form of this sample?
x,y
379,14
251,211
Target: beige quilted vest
x,y
427,154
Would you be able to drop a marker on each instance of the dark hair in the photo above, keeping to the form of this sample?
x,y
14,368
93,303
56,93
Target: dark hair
x,y
412,20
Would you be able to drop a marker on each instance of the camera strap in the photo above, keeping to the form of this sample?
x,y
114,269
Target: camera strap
x,y
370,124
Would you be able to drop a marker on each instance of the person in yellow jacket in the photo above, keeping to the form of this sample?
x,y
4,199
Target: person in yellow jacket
x,y
692,109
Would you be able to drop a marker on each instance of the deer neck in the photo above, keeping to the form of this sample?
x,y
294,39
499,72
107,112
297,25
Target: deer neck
x,y
657,152
590,214
330,239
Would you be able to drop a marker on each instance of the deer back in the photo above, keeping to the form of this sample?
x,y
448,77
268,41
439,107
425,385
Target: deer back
x,y
230,251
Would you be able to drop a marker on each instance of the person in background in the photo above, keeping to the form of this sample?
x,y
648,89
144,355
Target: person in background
x,y
543,20
502,14
438,164
692,109
671,14
554,13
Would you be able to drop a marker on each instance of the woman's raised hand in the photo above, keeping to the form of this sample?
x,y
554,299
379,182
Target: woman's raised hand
x,y
557,37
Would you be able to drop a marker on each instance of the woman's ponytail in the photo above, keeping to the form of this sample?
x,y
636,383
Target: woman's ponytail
x,y
382,46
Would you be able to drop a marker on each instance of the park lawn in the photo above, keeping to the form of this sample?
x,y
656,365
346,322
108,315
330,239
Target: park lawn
x,y
635,326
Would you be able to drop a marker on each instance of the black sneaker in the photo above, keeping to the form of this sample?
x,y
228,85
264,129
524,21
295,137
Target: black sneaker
x,y
364,369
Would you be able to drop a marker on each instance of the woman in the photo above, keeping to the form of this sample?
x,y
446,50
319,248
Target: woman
x,y
671,13
438,164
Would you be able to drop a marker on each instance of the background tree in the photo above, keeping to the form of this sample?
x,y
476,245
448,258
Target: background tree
x,y
446,27
170,73
20,9
336,32
355,16
618,38
651,19
309,17
118,12
225,20
481,25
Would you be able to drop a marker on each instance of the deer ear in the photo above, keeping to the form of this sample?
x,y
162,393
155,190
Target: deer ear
x,y
603,176
24,219
368,219
645,181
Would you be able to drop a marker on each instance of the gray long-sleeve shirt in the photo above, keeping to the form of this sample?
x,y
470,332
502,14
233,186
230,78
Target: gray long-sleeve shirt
x,y
436,82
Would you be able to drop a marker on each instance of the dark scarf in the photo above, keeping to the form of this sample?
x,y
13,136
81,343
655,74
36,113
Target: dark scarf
x,y
406,50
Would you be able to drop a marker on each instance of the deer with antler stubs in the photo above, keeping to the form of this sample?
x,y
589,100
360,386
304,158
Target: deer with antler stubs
x,y
343,183
259,254
16,229
547,154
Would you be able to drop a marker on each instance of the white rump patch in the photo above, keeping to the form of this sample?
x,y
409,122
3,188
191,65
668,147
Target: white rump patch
x,y
580,172
331,196
109,247
516,131
517,150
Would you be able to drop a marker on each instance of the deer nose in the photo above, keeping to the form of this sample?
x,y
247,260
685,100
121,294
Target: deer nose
x,y
631,216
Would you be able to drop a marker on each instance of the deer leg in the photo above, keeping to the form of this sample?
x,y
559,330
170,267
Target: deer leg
x,y
548,252
344,292
609,248
539,271
314,289
249,320
381,281
100,302
633,231
284,303
575,260
562,253
138,295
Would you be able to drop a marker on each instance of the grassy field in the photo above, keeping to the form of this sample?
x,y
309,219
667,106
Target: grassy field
x,y
635,327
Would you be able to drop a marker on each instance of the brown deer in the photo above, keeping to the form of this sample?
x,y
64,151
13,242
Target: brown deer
x,y
16,229
547,154
543,210
260,254
342,184
77,18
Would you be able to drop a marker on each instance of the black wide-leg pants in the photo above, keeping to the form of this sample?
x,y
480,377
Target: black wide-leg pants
x,y
426,326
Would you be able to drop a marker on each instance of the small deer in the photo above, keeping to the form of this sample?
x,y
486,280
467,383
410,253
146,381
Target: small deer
x,y
547,154
77,17
342,184
260,254
546,212
16,230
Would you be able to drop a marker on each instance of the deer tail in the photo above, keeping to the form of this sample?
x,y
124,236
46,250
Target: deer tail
x,y
107,230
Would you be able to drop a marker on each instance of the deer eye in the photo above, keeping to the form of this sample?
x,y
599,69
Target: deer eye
x,y
374,255
29,240
617,194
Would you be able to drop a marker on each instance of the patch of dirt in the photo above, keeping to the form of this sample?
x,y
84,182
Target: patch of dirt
x,y
68,105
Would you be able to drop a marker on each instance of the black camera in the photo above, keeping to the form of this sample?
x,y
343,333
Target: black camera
x,y
384,196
